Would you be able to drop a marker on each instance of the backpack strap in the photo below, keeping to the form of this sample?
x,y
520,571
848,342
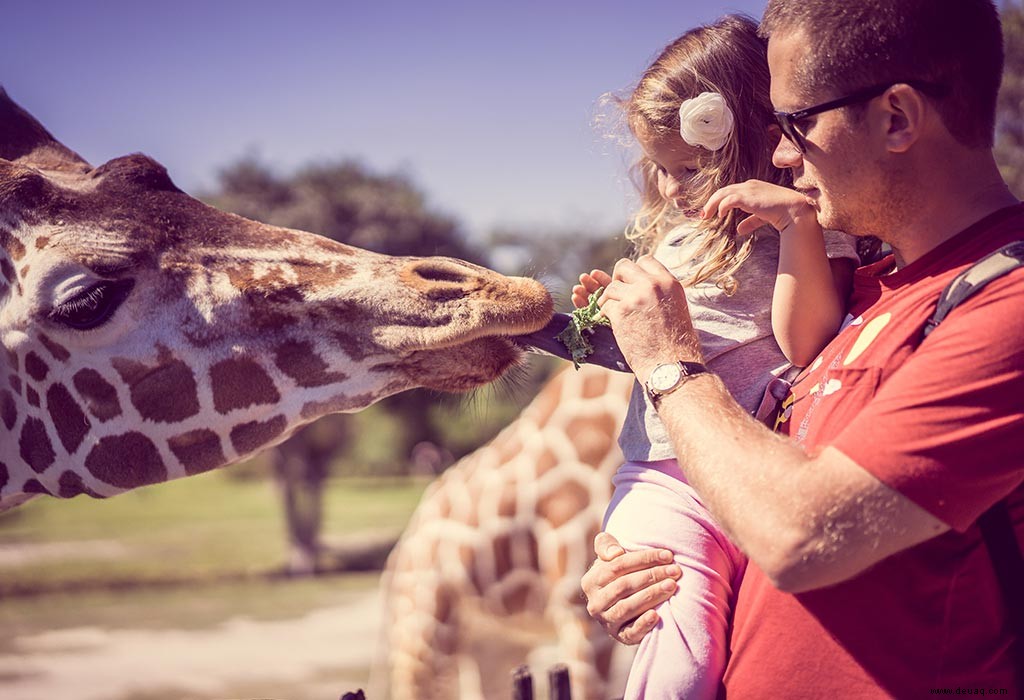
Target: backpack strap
x,y
995,524
973,279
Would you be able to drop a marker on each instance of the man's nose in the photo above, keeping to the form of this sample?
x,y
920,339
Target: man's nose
x,y
786,154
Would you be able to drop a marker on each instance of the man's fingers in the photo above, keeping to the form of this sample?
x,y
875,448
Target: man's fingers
x,y
633,606
606,547
616,597
634,632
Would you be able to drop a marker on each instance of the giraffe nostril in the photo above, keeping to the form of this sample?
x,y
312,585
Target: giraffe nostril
x,y
439,271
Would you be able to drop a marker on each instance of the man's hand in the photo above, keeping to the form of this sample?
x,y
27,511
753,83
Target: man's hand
x,y
780,207
622,589
650,318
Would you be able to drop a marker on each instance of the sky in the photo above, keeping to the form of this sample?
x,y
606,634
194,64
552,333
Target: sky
x,y
488,107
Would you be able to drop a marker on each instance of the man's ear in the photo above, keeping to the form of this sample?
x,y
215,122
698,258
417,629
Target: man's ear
x,y
905,109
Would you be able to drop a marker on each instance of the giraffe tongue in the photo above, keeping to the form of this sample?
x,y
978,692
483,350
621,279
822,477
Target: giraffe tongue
x,y
545,341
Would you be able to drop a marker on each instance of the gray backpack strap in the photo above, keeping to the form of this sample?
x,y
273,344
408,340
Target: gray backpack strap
x,y
973,279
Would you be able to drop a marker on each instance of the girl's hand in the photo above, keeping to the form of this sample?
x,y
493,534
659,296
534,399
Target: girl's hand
x,y
589,283
777,206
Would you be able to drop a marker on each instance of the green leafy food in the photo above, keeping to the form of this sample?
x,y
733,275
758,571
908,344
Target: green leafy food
x,y
574,337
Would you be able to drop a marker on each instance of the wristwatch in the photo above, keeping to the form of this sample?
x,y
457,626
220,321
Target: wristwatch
x,y
669,376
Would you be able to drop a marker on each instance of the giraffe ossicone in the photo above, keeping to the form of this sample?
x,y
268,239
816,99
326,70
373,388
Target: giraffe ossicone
x,y
147,336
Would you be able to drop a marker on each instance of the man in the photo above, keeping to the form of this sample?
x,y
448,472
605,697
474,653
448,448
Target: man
x,y
868,576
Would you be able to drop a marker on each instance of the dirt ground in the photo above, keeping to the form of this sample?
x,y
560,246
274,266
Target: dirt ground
x,y
320,655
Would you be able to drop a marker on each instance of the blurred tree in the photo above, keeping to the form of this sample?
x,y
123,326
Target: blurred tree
x,y
383,213
419,429
1010,112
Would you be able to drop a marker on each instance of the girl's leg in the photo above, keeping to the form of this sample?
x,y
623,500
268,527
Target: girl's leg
x,y
684,656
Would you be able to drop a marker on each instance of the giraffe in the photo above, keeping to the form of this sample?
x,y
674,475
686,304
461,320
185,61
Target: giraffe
x,y
147,336
491,560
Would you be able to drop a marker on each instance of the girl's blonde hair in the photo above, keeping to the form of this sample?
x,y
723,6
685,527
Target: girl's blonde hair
x,y
727,57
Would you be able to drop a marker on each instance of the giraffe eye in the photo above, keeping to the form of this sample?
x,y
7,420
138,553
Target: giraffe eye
x,y
94,306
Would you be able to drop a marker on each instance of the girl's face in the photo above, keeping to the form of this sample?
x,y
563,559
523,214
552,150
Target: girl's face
x,y
677,163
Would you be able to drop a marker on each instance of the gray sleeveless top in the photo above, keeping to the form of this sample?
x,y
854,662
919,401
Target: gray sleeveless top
x,y
735,334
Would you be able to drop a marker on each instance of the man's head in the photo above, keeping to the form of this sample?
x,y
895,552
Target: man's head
x,y
957,44
935,70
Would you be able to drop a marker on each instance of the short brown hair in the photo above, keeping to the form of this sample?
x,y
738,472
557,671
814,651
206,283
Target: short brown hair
x,y
957,44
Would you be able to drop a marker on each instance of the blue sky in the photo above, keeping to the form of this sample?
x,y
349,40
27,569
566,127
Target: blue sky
x,y
488,107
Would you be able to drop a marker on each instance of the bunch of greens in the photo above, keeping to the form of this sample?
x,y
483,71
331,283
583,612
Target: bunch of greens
x,y
574,337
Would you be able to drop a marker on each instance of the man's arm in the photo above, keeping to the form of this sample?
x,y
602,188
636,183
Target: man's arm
x,y
805,521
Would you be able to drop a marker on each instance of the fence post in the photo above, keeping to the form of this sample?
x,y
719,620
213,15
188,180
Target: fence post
x,y
558,683
522,684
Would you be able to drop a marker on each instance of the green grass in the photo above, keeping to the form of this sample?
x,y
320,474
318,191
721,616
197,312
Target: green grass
x,y
208,527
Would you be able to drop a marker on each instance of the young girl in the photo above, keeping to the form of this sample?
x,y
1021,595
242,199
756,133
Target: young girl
x,y
760,301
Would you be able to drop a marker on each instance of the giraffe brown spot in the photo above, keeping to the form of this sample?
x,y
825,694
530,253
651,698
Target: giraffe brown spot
x,y
36,367
33,486
58,351
12,359
23,272
502,555
594,385
165,392
241,382
298,360
563,503
14,247
32,396
4,476
100,395
71,485
7,269
15,382
35,446
42,242
336,404
8,409
198,450
126,461
547,402
248,437
514,598
355,348
68,418
592,436
546,461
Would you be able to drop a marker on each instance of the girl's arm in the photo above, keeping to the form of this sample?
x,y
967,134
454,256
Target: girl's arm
x,y
809,300
811,290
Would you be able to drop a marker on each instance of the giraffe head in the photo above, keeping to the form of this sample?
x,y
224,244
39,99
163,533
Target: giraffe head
x,y
147,336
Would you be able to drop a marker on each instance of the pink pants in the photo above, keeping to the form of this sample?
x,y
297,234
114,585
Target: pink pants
x,y
684,655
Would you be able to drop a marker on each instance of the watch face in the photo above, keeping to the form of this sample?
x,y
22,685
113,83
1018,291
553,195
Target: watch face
x,y
664,377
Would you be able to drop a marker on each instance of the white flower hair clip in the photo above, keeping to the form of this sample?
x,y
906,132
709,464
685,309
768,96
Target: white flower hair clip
x,y
706,121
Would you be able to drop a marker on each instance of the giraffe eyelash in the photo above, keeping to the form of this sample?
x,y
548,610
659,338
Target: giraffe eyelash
x,y
94,306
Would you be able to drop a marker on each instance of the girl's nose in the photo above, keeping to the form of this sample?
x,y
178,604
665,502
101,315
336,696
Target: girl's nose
x,y
670,187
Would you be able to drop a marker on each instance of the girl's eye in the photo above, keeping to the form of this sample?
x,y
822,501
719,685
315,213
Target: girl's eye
x,y
94,306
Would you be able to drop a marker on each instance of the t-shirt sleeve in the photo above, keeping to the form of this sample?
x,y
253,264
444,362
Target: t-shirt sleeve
x,y
946,430
840,245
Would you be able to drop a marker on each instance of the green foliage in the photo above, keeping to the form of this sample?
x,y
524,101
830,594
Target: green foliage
x,y
1009,148
581,320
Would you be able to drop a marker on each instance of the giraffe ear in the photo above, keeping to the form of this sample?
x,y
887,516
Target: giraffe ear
x,y
24,140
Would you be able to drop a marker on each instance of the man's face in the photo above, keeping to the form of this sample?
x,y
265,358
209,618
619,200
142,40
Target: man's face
x,y
838,173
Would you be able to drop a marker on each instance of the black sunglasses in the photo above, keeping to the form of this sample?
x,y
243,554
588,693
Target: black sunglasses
x,y
787,121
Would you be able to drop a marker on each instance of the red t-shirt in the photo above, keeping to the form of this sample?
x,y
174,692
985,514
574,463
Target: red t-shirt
x,y
942,422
